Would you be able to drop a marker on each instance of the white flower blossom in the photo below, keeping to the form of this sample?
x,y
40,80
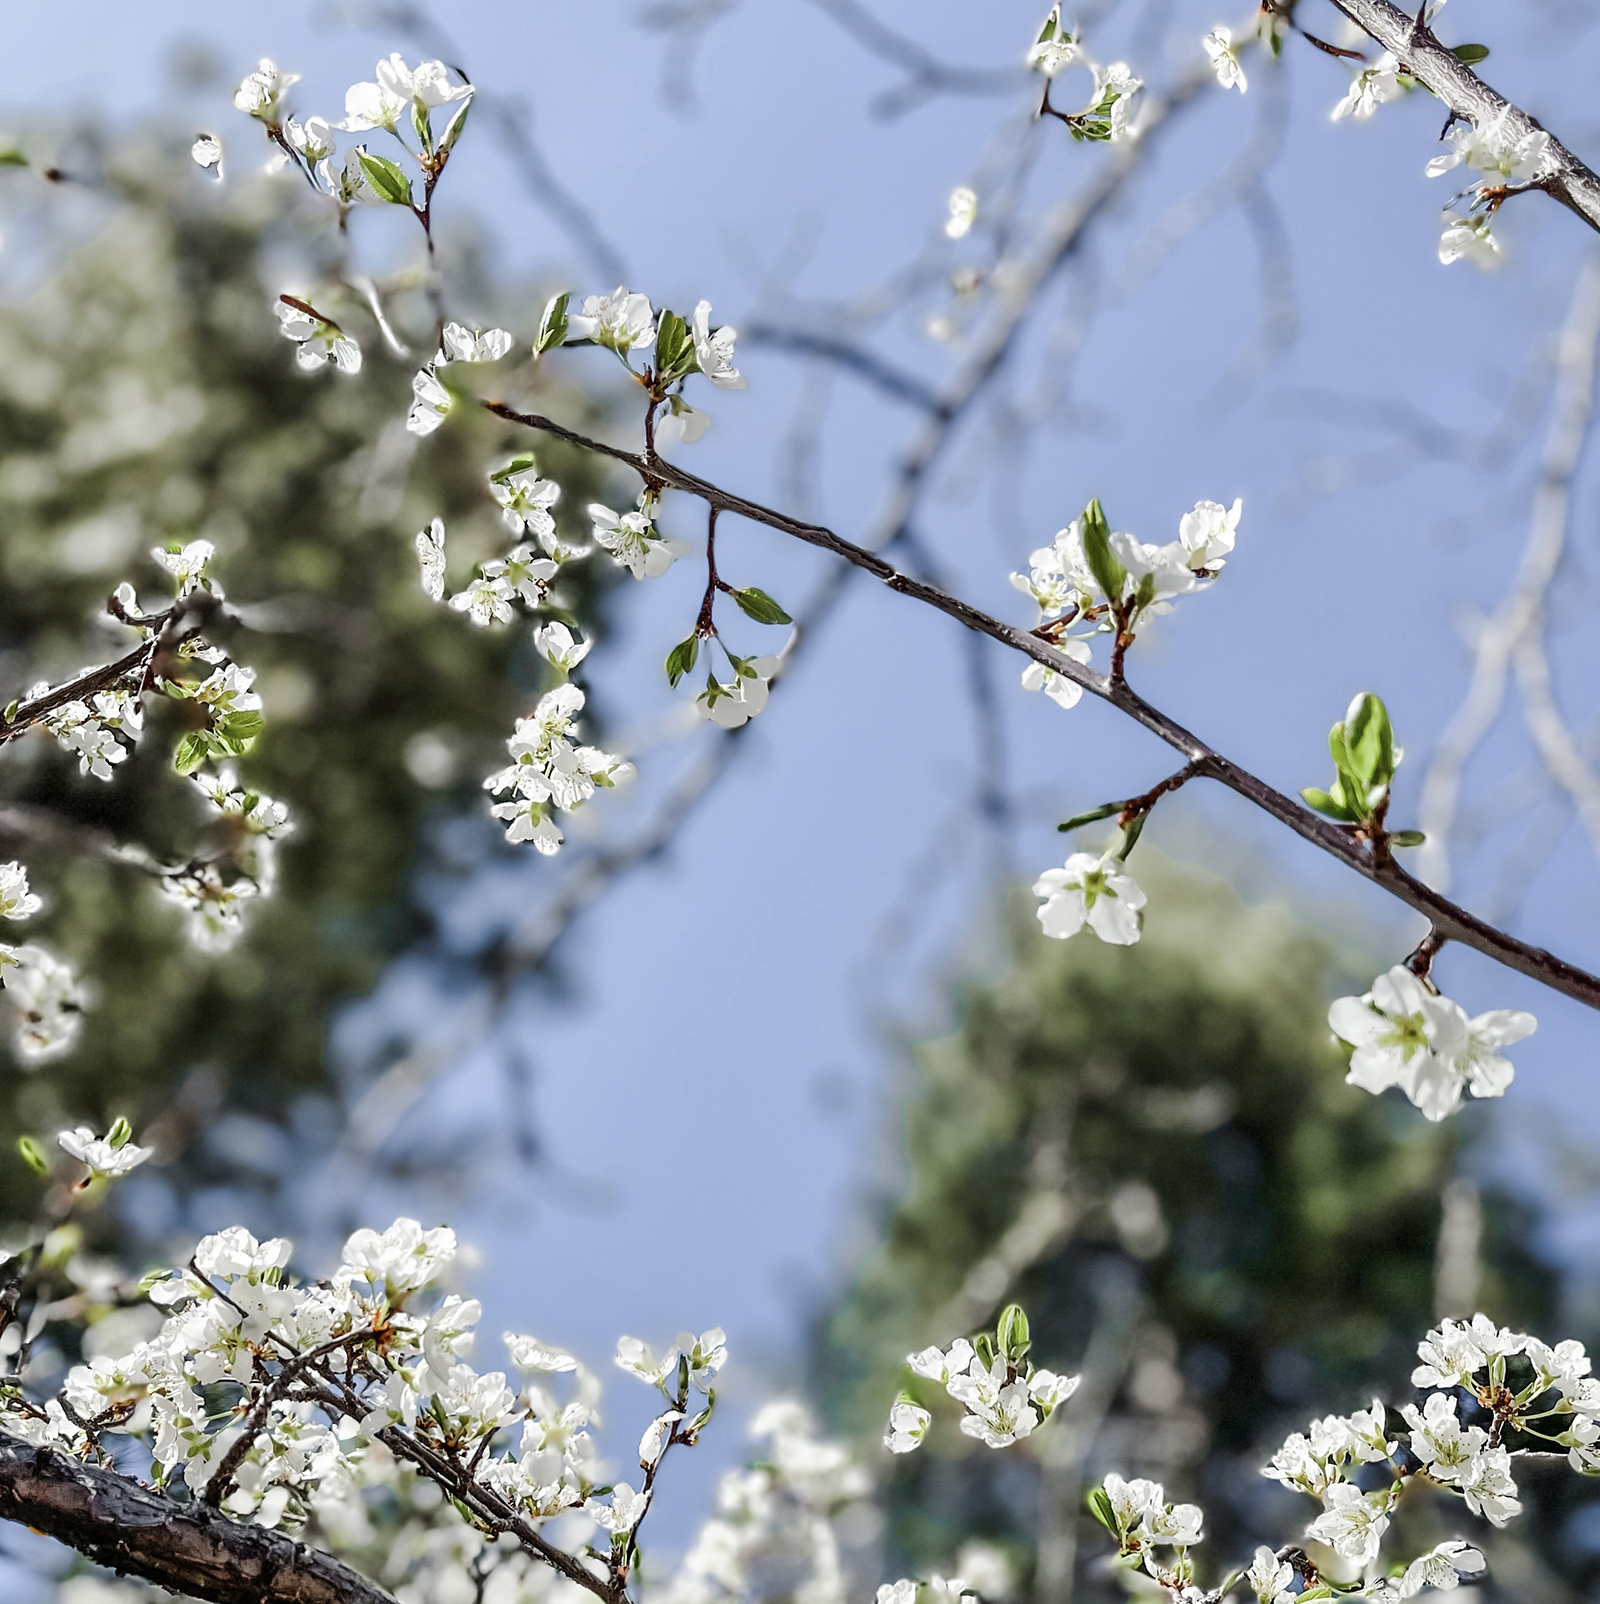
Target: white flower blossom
x,y
313,138
713,350
486,600
461,344
1055,48
621,322
1271,1579
1487,1486
637,1359
430,559
908,1425
733,705
560,647
525,501
186,565
528,1353
1439,1440
101,1153
633,542
622,1514
1469,237
1131,1501
963,208
431,403
206,152
1494,149
1207,533
1062,691
1090,890
398,87
1353,1523
318,340
1224,56
1407,1036
1372,87
402,1259
1442,1567
261,93
1173,1525
16,900
215,905
47,1002
522,575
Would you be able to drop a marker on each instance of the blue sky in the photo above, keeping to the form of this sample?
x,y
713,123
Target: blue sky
x,y
713,1086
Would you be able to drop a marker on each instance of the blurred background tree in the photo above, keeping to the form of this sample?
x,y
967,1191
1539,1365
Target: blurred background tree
x,y
1154,1151
146,397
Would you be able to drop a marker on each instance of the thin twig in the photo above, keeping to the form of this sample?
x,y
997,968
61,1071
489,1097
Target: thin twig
x,y
1365,858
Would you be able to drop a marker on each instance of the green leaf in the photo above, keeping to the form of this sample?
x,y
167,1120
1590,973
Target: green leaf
x,y
1470,55
244,725
1099,1503
682,658
387,181
193,750
120,1134
1011,1333
1331,805
1093,816
11,711
1407,838
518,464
675,358
12,157
757,604
1108,573
553,325
1131,832
1369,741
453,128
33,1155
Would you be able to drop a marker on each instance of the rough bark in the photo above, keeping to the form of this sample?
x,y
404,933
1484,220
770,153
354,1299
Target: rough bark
x,y
1571,181
189,1548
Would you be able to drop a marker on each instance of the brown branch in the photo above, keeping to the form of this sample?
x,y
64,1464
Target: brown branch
x,y
189,1548
1449,921
1570,181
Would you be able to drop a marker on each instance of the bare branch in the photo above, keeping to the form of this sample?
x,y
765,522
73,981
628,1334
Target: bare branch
x,y
1451,922
1513,633
1569,181
189,1548
882,375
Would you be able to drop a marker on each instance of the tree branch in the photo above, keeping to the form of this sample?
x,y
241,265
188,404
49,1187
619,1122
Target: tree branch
x,y
1451,922
1569,180
189,1548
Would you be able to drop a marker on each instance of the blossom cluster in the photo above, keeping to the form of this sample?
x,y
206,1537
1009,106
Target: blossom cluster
x,y
549,771
1108,114
1507,158
47,999
289,1391
1004,1396
1484,1385
786,1515
1405,1033
1111,581
1146,1526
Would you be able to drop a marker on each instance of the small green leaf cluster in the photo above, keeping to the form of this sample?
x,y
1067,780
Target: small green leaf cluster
x,y
1365,758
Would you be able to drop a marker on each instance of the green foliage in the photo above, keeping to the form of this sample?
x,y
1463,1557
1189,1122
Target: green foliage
x,y
146,397
1153,1150
1109,574
757,604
